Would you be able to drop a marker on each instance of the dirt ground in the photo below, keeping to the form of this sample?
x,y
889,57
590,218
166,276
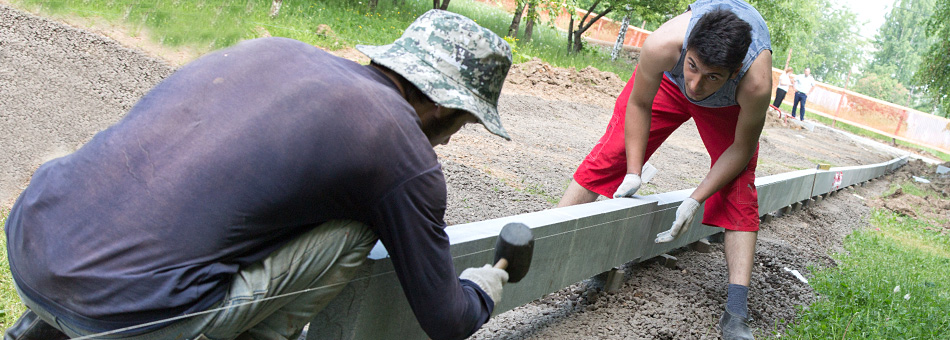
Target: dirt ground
x,y
59,85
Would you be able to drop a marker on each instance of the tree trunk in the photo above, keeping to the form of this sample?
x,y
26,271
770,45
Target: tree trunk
x,y
532,16
372,4
581,27
516,20
620,37
570,32
578,45
275,8
444,6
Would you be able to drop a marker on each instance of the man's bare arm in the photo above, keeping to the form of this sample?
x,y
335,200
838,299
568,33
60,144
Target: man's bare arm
x,y
660,53
753,96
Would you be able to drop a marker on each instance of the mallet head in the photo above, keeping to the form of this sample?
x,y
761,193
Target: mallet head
x,y
515,244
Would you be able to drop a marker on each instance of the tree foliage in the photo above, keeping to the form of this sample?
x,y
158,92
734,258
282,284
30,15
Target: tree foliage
x,y
836,46
787,22
899,48
820,35
934,71
900,42
882,87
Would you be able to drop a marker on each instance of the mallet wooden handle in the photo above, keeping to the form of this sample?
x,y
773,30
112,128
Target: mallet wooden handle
x,y
502,263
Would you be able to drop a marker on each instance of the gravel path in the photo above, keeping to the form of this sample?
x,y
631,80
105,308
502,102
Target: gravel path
x,y
59,86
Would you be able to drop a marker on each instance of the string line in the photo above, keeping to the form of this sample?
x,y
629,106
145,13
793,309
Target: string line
x,y
180,317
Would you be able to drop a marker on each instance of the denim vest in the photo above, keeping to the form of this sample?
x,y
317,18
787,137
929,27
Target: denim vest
x,y
726,96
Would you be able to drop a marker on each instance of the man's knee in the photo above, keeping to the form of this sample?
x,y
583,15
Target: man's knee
x,y
355,234
577,194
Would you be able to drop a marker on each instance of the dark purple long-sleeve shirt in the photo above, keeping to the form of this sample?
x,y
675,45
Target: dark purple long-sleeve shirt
x,y
219,165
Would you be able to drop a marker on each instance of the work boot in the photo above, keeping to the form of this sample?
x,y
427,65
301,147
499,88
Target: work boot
x,y
30,327
734,327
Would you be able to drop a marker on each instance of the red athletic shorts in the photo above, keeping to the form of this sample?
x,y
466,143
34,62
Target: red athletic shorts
x,y
733,207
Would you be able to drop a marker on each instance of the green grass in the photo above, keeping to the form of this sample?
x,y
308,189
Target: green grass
x,y
207,25
10,301
871,134
859,298
912,188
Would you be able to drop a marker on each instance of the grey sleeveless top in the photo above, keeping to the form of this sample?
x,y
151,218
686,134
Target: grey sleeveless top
x,y
726,96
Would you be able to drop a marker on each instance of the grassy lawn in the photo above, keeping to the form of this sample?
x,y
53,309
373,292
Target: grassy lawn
x,y
332,24
9,300
890,284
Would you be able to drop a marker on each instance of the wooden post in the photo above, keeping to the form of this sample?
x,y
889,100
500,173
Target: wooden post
x,y
900,122
844,92
787,59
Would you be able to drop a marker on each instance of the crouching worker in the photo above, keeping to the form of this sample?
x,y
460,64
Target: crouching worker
x,y
253,174
712,64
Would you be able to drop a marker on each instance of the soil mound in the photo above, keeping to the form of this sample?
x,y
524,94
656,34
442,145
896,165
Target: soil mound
x,y
932,209
539,79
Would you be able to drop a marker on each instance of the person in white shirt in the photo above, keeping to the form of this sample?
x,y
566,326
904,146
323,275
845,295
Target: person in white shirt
x,y
803,85
784,81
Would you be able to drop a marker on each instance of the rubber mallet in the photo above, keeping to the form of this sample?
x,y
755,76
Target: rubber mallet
x,y
513,250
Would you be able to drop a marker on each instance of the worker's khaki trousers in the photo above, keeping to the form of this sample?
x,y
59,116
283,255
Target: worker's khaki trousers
x,y
271,299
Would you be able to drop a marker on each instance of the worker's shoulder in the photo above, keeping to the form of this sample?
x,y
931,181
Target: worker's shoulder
x,y
667,41
758,77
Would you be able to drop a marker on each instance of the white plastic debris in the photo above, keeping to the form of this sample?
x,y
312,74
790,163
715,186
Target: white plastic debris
x,y
647,172
897,289
942,170
858,196
921,179
907,297
796,274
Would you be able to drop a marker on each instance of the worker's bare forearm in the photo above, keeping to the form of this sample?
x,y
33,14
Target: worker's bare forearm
x,y
636,133
726,169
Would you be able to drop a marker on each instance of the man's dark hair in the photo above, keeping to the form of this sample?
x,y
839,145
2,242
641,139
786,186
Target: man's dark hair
x,y
720,38
413,93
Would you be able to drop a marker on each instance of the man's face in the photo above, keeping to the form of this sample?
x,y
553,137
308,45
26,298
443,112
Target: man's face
x,y
703,80
440,130
807,72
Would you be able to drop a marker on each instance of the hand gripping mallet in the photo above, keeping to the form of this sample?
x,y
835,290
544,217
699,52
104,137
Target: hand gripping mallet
x,y
513,250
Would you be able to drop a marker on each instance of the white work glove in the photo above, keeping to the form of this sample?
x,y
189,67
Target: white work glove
x,y
629,186
488,278
684,218
632,182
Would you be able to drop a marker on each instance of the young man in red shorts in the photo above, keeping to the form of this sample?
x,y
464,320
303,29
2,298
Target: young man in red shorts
x,y
713,64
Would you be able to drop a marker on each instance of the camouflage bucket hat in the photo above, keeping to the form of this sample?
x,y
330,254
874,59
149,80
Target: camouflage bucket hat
x,y
454,61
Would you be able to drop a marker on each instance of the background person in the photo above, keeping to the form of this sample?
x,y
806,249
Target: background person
x,y
804,83
712,64
784,81
264,169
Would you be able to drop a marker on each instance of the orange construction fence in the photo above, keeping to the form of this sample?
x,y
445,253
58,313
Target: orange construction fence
x,y
873,114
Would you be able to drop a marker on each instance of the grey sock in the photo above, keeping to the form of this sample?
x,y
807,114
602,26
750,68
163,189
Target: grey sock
x,y
738,301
